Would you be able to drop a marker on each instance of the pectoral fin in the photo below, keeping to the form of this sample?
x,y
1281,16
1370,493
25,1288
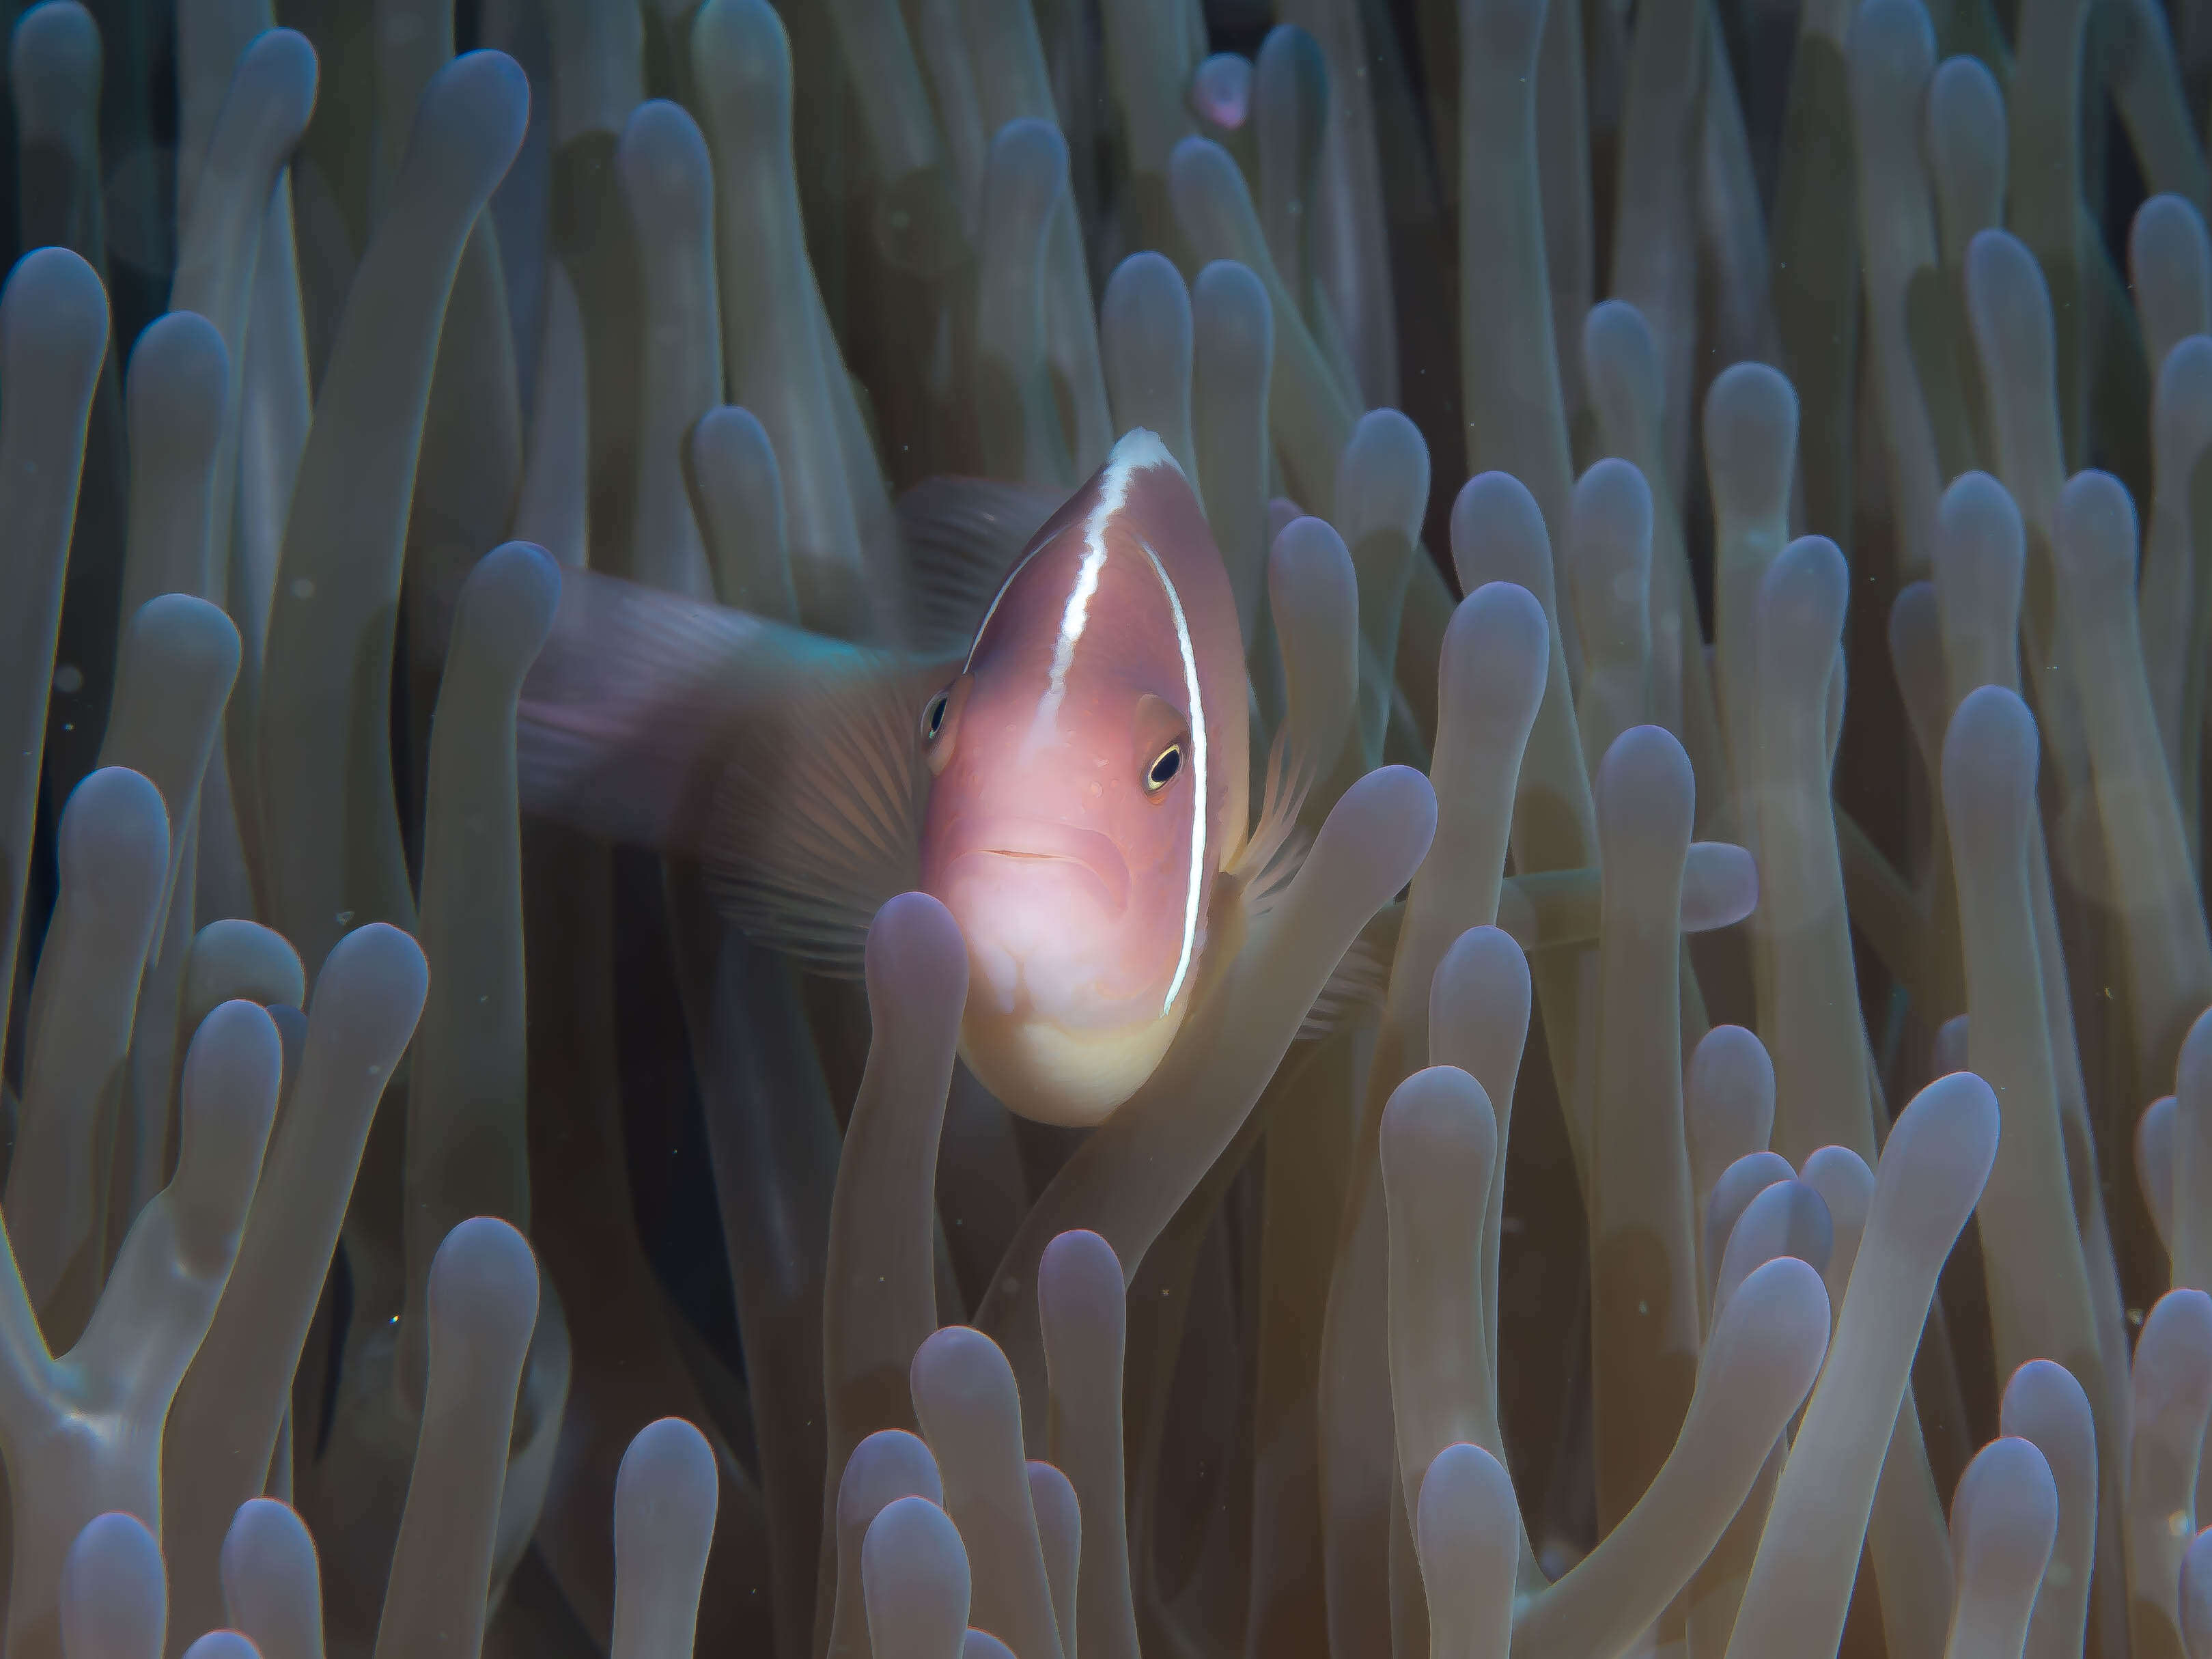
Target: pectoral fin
x,y
787,763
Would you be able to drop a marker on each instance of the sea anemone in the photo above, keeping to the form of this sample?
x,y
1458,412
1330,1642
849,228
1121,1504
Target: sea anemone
x,y
1695,1137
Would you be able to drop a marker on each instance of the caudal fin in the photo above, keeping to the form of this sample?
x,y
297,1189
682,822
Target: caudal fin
x,y
623,710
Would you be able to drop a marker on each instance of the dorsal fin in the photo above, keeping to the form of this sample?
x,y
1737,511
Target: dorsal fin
x,y
963,535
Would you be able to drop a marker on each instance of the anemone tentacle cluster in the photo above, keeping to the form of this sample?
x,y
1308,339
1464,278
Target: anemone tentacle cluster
x,y
1689,1129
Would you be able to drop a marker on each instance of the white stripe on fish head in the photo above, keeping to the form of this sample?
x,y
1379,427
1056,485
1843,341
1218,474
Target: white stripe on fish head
x,y
1197,778
1138,450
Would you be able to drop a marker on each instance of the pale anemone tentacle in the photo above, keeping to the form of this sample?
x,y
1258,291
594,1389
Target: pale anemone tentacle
x,y
2044,1404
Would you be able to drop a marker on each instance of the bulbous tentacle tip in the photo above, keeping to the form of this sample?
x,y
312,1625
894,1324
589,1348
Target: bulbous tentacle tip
x,y
223,1644
508,602
478,104
1967,122
1777,1323
53,310
1221,91
1751,439
1989,757
57,41
1978,527
1498,650
281,67
889,1465
964,1388
1390,815
666,1487
2093,534
114,1591
2167,237
1644,785
915,1568
379,970
114,847
1892,38
1079,1264
483,1290
915,954
2004,1517
1937,1159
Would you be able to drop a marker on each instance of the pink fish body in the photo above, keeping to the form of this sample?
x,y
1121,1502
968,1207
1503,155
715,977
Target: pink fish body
x,y
1084,763
1092,773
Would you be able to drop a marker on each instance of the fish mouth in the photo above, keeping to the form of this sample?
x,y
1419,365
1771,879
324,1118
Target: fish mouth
x,y
1043,841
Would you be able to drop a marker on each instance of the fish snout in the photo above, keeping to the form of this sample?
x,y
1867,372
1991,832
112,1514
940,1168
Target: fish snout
x,y
1043,842
1063,1017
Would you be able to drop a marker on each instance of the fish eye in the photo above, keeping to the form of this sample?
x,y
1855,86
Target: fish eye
x,y
939,726
1163,770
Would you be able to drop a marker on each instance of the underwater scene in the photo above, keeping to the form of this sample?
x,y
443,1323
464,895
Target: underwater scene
x,y
1106,829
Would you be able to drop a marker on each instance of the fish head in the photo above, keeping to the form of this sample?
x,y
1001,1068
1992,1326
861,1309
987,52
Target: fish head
x,y
1075,823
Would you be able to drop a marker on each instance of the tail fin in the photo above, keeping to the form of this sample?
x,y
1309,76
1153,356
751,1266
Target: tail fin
x,y
623,709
